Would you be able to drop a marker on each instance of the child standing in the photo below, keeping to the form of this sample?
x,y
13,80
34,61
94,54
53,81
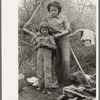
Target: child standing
x,y
60,29
44,45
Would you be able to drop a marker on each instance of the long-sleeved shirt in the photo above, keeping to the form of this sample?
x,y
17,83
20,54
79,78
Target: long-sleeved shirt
x,y
59,24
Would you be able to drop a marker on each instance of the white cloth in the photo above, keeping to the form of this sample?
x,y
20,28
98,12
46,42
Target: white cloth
x,y
33,80
88,35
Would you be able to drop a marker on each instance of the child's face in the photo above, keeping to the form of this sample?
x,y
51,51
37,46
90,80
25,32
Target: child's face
x,y
44,31
54,11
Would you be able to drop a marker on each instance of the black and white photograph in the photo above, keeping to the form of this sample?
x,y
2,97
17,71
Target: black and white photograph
x,y
57,47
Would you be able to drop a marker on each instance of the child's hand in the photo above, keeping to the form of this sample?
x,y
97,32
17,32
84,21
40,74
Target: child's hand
x,y
56,36
71,34
53,34
44,44
38,46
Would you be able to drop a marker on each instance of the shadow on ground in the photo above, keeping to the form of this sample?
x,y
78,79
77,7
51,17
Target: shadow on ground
x,y
30,93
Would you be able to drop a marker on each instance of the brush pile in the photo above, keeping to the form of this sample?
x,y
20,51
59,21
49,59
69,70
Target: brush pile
x,y
85,55
27,55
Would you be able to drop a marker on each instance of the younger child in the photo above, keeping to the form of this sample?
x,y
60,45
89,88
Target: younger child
x,y
45,44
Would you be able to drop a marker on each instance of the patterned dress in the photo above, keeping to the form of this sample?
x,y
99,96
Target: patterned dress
x,y
44,61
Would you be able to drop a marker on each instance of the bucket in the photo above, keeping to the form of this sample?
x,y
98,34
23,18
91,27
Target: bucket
x,y
20,82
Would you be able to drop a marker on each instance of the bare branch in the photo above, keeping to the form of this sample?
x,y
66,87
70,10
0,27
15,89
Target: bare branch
x,y
27,43
30,20
80,13
84,5
29,32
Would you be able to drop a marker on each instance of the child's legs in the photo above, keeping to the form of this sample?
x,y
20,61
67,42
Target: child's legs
x,y
40,71
47,68
65,53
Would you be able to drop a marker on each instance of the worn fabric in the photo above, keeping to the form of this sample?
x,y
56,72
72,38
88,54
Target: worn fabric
x,y
88,35
63,63
59,23
44,62
46,39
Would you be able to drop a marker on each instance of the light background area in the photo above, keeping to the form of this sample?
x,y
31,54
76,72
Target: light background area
x,y
10,49
93,1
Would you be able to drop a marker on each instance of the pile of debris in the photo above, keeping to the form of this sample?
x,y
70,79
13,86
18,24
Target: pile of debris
x,y
80,90
78,93
85,55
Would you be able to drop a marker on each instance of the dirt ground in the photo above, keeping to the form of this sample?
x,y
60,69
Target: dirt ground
x,y
31,93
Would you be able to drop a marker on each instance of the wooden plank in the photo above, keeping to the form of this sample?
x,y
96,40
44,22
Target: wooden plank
x,y
75,93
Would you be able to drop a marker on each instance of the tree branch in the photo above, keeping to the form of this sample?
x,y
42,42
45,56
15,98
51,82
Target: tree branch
x,y
80,13
30,20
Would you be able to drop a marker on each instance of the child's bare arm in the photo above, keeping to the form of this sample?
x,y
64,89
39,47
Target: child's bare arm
x,y
53,47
